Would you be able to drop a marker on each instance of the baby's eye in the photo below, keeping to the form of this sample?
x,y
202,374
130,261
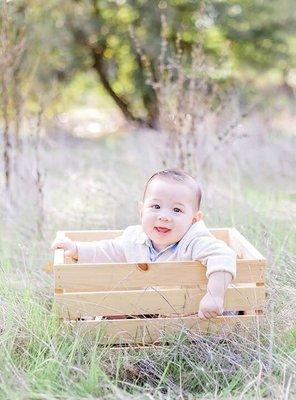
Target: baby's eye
x,y
176,209
156,206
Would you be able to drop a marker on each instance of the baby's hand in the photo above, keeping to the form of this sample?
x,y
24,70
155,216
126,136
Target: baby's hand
x,y
210,306
63,242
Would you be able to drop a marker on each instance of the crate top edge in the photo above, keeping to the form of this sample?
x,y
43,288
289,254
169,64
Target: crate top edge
x,y
261,262
121,230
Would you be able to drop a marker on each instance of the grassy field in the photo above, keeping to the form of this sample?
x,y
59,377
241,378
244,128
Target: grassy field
x,y
96,185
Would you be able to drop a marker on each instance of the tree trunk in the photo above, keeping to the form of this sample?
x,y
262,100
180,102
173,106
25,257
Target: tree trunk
x,y
148,96
6,139
98,64
287,88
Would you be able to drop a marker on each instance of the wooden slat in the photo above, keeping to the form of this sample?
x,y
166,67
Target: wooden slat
x,y
221,234
118,276
152,301
59,257
59,254
89,236
145,331
93,235
243,248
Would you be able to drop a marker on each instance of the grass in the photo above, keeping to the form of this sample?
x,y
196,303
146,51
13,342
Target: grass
x,y
96,185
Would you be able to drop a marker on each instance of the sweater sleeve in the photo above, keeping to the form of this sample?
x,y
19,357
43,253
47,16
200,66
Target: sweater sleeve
x,y
108,251
215,255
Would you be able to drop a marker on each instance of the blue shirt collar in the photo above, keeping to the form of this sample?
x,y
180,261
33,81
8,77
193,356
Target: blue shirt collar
x,y
154,254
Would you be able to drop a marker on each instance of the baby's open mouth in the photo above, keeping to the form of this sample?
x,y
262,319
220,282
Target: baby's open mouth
x,y
162,230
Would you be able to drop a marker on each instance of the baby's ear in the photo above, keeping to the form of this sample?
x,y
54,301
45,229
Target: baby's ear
x,y
140,208
197,217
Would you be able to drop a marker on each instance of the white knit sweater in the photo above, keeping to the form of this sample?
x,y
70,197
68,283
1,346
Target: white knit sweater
x,y
197,244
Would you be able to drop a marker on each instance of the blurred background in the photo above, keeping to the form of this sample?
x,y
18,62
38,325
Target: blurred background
x,y
97,95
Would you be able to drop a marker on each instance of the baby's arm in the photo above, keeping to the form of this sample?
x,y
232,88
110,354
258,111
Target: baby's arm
x,y
211,305
220,261
110,250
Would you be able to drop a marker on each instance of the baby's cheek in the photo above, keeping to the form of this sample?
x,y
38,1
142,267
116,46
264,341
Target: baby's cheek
x,y
147,222
150,216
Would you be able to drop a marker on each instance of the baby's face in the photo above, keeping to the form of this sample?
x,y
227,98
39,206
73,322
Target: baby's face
x,y
168,211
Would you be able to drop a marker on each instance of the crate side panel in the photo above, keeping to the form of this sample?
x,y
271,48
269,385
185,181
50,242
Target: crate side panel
x,y
117,276
152,301
145,331
243,248
221,234
97,277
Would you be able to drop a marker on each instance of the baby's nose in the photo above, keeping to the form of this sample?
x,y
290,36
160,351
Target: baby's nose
x,y
164,217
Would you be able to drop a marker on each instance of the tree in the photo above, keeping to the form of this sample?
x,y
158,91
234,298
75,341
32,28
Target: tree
x,y
250,33
79,35
261,33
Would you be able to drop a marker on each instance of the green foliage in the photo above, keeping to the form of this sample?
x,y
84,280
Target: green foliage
x,y
259,32
63,38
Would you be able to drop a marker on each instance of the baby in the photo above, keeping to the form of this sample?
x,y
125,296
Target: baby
x,y
171,230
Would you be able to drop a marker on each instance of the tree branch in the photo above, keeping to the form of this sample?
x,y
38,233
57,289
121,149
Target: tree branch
x,y
97,53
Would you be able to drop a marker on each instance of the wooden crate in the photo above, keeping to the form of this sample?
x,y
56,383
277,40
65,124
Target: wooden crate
x,y
140,303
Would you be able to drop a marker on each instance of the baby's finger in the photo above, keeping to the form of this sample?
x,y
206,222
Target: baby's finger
x,y
53,245
218,311
58,245
207,315
201,315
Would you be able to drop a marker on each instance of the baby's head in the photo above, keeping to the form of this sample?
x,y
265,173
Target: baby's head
x,y
170,206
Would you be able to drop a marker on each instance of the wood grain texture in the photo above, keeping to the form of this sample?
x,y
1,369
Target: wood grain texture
x,y
243,248
160,301
120,276
145,331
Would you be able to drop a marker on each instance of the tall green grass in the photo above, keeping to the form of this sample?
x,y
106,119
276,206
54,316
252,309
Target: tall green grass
x,y
39,359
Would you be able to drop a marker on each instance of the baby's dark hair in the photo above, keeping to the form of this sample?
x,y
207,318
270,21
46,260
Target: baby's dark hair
x,y
179,176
